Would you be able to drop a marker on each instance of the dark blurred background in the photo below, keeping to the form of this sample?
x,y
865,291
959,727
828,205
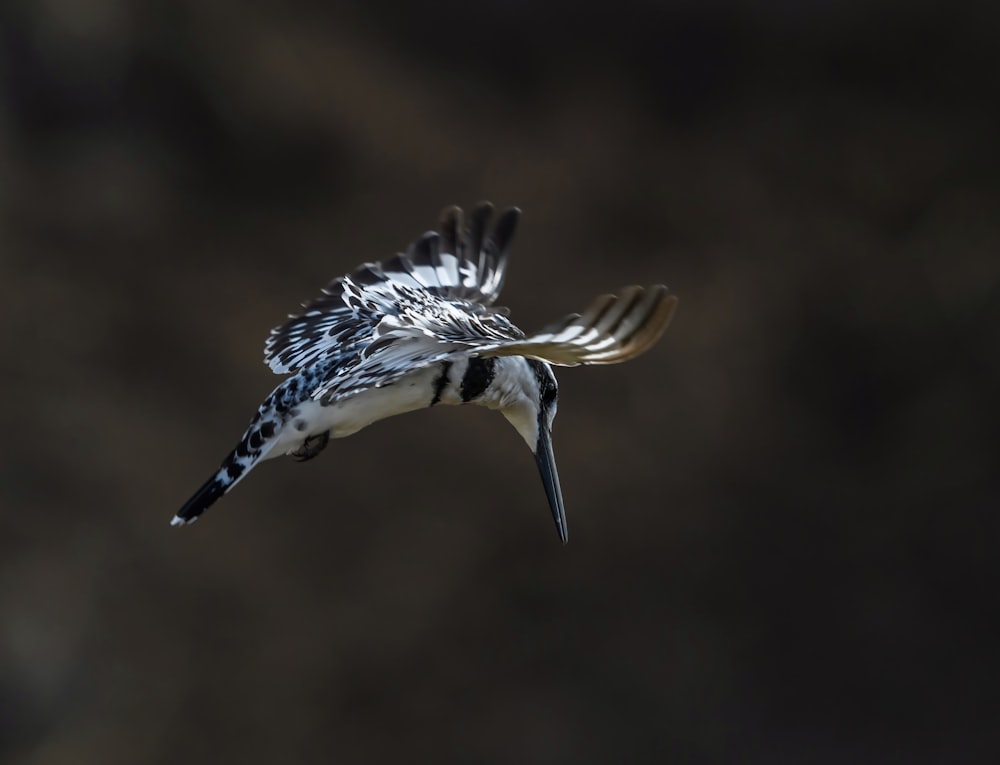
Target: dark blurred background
x,y
784,527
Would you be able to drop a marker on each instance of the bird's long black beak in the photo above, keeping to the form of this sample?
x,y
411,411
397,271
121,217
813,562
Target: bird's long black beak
x,y
550,478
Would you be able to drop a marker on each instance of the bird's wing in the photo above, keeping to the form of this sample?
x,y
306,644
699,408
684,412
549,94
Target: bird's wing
x,y
458,263
423,330
614,328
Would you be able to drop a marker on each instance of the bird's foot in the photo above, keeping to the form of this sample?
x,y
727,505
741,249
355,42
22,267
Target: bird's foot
x,y
311,447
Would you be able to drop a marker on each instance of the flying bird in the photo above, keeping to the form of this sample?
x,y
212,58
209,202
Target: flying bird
x,y
420,330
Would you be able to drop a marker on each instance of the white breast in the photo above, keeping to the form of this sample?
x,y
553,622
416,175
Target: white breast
x,y
415,391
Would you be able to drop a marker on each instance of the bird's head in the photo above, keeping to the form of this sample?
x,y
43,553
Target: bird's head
x,y
531,410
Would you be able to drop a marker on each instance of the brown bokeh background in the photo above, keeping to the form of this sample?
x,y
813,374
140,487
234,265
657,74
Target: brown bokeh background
x,y
784,526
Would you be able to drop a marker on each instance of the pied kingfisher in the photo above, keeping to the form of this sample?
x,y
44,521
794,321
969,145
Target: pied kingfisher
x,y
418,330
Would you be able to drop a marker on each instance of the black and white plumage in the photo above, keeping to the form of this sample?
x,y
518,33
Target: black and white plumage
x,y
418,330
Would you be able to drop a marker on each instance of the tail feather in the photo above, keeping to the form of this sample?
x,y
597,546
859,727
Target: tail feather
x,y
259,440
205,497
234,468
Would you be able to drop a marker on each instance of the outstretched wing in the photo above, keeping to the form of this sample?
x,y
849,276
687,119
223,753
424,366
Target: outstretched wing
x,y
614,328
457,263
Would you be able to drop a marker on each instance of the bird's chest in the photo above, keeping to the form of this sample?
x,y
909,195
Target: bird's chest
x,y
415,391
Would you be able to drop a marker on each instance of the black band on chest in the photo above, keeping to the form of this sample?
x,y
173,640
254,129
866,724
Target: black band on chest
x,y
477,378
441,382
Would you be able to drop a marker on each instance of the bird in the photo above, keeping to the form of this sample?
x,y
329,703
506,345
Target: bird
x,y
421,330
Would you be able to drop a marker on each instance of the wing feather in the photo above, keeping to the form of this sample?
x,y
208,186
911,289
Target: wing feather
x,y
433,303
614,328
459,263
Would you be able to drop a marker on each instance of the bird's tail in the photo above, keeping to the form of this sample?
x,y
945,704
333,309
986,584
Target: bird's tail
x,y
241,460
211,491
